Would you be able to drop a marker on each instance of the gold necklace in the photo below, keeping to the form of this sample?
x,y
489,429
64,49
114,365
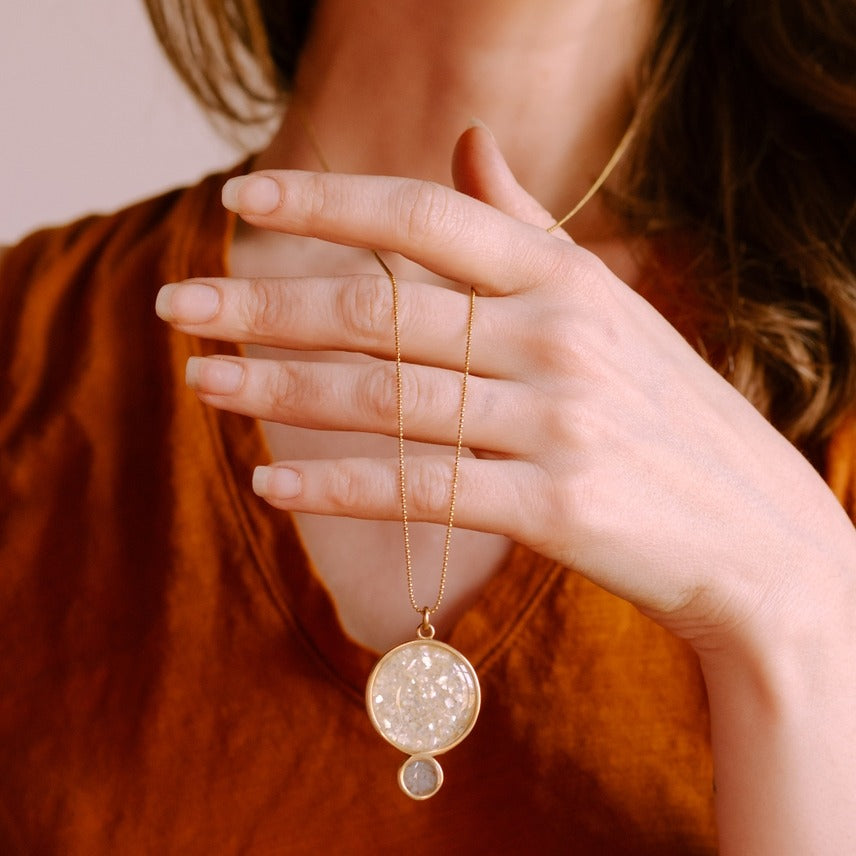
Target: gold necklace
x,y
423,696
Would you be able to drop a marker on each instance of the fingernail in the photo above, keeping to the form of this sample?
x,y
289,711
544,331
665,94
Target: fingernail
x,y
251,194
214,376
278,482
475,122
187,303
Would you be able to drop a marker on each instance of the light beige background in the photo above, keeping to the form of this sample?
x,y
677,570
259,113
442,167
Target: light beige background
x,y
91,115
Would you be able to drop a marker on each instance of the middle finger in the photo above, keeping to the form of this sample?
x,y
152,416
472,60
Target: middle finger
x,y
352,313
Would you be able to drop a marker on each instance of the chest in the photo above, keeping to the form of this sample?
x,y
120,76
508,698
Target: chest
x,y
362,562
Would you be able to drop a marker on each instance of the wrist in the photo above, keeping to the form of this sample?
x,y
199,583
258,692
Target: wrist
x,y
792,643
782,696
805,609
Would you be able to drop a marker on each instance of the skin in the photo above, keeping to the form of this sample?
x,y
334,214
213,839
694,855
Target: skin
x,y
599,437
470,61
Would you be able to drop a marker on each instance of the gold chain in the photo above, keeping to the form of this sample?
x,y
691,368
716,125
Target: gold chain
x,y
426,611
425,629
623,143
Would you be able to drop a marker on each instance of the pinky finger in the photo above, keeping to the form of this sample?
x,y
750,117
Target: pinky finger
x,y
492,495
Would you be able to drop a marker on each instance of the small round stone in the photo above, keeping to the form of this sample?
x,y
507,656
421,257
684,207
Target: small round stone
x,y
420,777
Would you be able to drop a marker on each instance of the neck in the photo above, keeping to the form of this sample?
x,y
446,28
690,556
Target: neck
x,y
390,86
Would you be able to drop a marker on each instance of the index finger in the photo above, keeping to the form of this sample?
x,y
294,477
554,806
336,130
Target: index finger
x,y
448,232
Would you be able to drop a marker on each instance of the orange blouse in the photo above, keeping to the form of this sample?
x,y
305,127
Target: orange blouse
x,y
173,675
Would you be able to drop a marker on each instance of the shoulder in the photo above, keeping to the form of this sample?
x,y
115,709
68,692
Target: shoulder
x,y
154,229
51,280
77,300
74,245
67,265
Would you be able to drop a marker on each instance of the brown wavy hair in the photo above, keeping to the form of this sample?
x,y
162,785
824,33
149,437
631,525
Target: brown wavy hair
x,y
747,124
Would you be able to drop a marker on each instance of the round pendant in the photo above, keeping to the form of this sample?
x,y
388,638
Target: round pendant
x,y
423,697
420,776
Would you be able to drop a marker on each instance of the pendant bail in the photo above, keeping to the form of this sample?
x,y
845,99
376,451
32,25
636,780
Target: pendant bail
x,y
425,630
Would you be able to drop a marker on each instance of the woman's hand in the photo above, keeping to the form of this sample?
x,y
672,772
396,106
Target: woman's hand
x,y
601,438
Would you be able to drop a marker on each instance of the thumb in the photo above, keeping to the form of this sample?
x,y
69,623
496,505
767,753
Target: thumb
x,y
480,171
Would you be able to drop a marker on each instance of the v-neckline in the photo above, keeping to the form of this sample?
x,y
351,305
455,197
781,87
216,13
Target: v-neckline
x,y
199,247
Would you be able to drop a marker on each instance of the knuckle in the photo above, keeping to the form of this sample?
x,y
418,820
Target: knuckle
x,y
317,196
570,426
262,308
559,345
344,488
380,393
557,425
426,210
282,388
429,489
569,269
365,308
582,343
290,389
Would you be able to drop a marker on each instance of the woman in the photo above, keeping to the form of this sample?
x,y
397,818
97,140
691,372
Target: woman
x,y
639,545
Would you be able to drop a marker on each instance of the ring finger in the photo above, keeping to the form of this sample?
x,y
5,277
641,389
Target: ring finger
x,y
364,397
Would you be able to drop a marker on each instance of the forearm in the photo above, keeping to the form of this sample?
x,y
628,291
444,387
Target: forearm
x,y
783,717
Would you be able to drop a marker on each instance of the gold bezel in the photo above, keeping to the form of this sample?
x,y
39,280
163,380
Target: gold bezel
x,y
421,756
436,644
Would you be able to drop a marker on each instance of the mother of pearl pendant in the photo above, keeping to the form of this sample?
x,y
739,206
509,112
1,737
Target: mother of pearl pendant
x,y
423,697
